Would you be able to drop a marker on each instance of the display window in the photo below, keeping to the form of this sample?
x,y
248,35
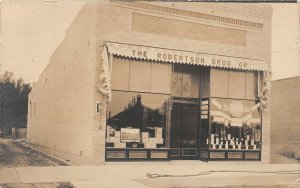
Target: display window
x,y
137,120
178,111
137,116
231,125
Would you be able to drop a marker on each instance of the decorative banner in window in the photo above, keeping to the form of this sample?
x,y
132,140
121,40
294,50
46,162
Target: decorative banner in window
x,y
234,113
185,57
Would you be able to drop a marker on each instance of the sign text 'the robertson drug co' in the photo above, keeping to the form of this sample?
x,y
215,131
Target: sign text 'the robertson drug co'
x,y
195,59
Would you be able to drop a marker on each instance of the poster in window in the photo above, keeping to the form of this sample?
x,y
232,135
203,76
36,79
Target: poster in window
x,y
130,135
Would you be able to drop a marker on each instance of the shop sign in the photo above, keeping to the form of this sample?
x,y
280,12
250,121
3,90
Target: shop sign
x,y
185,57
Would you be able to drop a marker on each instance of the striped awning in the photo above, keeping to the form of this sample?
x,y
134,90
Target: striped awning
x,y
185,57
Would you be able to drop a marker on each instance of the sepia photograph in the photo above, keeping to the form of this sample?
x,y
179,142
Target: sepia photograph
x,y
149,94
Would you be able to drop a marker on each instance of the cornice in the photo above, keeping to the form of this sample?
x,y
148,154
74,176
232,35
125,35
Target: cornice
x,y
193,14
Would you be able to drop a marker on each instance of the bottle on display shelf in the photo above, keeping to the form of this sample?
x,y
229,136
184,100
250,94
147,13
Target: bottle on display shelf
x,y
248,137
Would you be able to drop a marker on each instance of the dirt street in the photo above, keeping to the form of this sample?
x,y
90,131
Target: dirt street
x,y
15,155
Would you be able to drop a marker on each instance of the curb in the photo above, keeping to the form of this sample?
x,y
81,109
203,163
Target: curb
x,y
59,161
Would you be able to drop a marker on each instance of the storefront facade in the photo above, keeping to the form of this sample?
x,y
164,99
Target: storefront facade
x,y
172,104
170,81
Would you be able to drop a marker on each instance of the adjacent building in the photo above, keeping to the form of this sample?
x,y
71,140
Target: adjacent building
x,y
157,81
285,112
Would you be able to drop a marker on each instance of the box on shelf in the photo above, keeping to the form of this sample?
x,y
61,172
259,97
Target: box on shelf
x,y
120,145
118,134
159,140
150,145
145,137
152,140
158,132
110,139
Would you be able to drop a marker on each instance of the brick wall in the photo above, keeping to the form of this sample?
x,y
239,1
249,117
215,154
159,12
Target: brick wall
x,y
285,113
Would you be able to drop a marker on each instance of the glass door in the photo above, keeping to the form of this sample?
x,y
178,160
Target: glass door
x,y
184,128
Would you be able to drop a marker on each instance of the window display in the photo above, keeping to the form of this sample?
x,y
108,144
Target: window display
x,y
137,120
235,125
182,112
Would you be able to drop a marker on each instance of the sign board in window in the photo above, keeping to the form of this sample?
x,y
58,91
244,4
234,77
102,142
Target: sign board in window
x,y
130,135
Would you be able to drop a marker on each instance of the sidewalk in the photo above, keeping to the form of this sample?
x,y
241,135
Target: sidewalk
x,y
133,175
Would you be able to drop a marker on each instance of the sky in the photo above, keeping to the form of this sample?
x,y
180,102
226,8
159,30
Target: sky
x,y
285,41
32,29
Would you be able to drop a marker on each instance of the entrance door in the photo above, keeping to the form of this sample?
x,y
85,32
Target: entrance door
x,y
184,128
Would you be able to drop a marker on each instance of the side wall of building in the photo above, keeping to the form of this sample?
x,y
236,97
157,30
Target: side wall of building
x,y
61,104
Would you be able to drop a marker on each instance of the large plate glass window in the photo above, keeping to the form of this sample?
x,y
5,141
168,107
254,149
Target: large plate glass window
x,y
138,115
235,124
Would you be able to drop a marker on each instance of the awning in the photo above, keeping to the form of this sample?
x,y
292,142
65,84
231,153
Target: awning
x,y
185,57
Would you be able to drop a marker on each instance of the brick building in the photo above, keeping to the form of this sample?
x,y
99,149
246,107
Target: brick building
x,y
285,112
157,81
